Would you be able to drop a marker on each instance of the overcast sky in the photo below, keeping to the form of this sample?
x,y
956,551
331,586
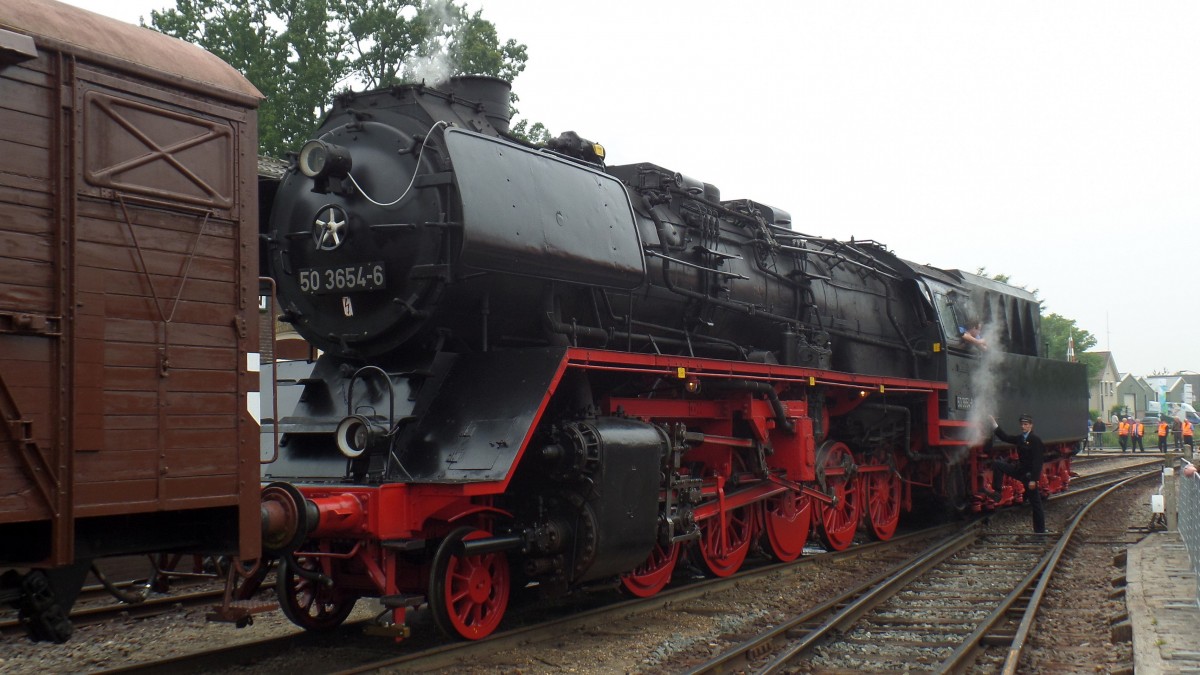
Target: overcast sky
x,y
1054,142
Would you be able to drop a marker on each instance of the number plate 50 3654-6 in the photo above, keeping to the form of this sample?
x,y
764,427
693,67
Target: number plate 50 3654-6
x,y
344,279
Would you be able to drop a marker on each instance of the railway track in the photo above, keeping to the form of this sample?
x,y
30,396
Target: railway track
x,y
545,625
142,610
1086,482
363,654
97,603
973,596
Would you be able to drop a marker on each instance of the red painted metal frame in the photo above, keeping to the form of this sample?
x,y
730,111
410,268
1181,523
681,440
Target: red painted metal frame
x,y
408,511
858,388
667,366
399,511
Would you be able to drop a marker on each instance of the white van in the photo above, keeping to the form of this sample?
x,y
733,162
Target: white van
x,y
1173,410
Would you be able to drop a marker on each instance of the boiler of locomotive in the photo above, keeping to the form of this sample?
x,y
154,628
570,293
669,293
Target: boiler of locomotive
x,y
413,205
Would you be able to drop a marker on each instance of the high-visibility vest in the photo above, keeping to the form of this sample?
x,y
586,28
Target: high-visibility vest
x,y
1139,429
1187,428
1163,428
1123,428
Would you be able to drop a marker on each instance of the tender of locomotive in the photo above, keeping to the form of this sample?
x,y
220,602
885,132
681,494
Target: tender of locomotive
x,y
128,303
541,371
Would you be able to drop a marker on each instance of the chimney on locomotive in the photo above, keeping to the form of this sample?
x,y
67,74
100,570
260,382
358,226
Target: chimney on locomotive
x,y
493,94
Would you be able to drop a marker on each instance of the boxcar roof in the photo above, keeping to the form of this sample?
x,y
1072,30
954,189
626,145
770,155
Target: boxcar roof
x,y
54,25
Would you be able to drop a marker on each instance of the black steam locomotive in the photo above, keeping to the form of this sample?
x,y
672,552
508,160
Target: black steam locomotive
x,y
538,370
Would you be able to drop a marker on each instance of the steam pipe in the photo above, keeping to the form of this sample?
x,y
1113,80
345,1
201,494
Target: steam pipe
x,y
557,326
746,308
630,322
900,331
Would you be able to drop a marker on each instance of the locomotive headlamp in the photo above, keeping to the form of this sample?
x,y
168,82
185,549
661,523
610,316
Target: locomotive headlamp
x,y
356,434
319,159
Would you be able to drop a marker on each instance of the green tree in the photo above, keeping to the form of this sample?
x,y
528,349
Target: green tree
x,y
535,133
1056,332
299,53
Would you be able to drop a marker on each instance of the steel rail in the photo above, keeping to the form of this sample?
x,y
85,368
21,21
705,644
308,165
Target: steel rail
x,y
838,614
1038,578
455,654
155,606
1022,635
450,655
841,611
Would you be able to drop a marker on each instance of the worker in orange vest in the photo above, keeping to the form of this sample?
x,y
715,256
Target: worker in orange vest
x,y
1163,429
1187,435
1136,431
1123,433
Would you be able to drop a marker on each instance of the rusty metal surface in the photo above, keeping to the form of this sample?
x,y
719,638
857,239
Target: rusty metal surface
x,y
67,28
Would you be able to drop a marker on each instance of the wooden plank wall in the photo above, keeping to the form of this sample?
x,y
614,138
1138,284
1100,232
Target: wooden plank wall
x,y
28,276
158,403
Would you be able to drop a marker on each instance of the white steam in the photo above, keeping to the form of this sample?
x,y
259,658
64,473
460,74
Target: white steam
x,y
985,386
433,63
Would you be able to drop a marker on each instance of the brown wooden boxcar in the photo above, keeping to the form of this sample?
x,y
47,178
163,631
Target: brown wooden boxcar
x,y
128,298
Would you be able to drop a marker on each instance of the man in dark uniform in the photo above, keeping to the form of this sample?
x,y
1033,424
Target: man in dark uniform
x,y
1031,453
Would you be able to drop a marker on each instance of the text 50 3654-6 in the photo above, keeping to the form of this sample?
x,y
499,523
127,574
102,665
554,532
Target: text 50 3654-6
x,y
344,279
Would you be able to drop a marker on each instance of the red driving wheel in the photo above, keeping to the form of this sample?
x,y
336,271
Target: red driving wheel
x,y
725,540
787,519
839,519
882,497
654,574
468,593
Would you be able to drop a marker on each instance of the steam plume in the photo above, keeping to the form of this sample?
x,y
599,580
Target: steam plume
x,y
433,63
985,386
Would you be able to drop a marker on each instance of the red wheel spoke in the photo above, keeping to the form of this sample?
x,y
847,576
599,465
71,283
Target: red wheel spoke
x,y
310,605
468,594
725,540
840,519
653,575
883,503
